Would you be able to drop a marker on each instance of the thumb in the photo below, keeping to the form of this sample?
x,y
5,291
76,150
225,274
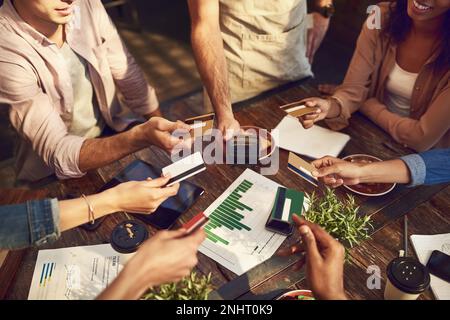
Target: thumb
x,y
311,245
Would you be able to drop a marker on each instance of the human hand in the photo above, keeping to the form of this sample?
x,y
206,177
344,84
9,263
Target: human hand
x,y
336,172
164,133
323,107
228,125
324,261
166,257
316,34
142,196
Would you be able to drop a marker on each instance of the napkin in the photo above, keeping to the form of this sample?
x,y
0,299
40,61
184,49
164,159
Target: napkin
x,y
315,142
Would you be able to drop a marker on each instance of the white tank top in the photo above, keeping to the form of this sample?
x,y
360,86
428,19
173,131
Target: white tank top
x,y
399,89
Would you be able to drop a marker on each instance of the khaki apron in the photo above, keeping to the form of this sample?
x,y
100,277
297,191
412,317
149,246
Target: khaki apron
x,y
264,44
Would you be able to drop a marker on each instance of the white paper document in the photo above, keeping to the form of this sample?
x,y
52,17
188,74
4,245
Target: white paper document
x,y
76,273
236,233
315,142
424,246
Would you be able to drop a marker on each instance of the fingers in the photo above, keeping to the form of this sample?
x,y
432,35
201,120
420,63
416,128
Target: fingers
x,y
312,250
326,171
167,192
158,182
173,234
198,236
325,161
321,236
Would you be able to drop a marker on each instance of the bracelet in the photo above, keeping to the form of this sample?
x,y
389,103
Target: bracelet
x,y
91,216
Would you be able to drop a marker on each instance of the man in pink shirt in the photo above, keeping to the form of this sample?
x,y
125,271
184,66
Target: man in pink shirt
x,y
65,75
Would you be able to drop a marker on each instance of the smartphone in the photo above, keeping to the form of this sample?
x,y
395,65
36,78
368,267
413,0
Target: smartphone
x,y
170,210
439,265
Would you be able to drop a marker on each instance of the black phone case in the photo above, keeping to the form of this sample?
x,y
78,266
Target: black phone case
x,y
439,265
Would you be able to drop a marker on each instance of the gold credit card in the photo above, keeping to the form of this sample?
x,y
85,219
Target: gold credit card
x,y
298,109
201,124
302,168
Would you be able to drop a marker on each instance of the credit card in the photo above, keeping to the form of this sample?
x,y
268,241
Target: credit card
x,y
195,223
303,168
297,109
201,124
184,168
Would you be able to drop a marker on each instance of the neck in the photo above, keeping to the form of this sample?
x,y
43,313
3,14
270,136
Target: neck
x,y
53,31
429,28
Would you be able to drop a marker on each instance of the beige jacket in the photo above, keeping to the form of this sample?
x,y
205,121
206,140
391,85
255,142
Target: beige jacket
x,y
364,85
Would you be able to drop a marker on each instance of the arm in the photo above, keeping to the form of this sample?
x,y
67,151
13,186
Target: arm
x,y
336,172
207,45
358,79
317,33
40,221
137,94
421,134
431,167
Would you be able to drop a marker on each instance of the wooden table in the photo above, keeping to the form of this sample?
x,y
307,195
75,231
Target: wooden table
x,y
267,279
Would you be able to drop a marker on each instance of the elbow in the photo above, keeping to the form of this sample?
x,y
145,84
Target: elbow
x,y
417,140
64,158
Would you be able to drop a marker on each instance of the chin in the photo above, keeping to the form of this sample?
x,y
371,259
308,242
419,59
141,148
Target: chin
x,y
62,20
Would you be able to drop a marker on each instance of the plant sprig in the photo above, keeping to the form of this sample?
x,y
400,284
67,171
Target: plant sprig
x,y
339,218
192,287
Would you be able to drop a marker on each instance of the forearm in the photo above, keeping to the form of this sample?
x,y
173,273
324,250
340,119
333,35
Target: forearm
x,y
392,171
209,55
74,213
99,152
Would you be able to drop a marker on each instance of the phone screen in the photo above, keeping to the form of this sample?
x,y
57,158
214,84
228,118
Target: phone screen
x,y
171,209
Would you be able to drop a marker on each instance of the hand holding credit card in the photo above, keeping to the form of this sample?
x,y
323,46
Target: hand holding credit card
x,y
184,168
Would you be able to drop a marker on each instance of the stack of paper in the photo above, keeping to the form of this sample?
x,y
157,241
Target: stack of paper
x,y
315,142
424,246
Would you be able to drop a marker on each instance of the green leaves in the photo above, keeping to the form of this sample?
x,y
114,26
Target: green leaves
x,y
193,287
339,218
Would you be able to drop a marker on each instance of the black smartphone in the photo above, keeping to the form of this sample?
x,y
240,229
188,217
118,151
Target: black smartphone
x,y
171,209
439,265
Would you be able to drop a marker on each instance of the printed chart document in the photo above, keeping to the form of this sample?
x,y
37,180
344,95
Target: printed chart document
x,y
236,233
424,246
315,142
76,273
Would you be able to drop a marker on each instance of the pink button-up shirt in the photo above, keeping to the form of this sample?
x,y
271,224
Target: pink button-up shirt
x,y
36,86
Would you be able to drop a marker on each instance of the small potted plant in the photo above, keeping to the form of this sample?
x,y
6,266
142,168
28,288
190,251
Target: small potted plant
x,y
339,218
193,287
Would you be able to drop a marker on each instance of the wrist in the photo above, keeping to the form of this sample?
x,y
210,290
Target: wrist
x,y
335,109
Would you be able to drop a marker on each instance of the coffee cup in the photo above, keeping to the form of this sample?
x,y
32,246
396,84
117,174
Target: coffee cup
x,y
127,237
407,278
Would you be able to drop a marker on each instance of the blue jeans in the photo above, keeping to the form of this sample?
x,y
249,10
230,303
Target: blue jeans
x,y
31,223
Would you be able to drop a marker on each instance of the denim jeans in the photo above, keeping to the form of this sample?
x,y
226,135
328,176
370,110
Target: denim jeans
x,y
27,224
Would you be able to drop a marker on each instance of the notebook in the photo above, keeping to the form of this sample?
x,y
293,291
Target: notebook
x,y
315,142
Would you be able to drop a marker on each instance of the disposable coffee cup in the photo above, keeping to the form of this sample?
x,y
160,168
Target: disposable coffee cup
x,y
127,237
407,278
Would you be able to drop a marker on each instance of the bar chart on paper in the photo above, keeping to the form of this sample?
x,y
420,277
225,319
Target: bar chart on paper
x,y
236,234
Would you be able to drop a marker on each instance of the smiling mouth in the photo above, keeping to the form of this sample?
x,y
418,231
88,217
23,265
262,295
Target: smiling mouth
x,y
421,6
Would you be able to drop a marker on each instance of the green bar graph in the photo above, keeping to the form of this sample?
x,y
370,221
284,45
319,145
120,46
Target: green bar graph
x,y
229,214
